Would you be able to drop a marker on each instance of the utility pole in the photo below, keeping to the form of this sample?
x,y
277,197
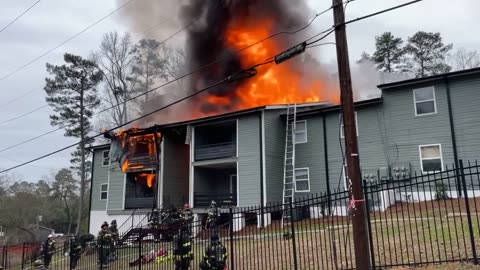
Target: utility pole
x,y
357,202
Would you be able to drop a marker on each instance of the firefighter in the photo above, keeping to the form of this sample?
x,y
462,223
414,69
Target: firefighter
x,y
154,219
48,250
183,241
38,265
104,240
215,257
75,250
114,231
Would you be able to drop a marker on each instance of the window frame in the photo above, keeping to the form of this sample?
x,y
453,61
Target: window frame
x,y
306,133
102,192
422,159
342,131
308,179
434,101
105,158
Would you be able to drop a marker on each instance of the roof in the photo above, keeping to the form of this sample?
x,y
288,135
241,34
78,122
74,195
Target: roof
x,y
303,106
430,78
100,146
367,102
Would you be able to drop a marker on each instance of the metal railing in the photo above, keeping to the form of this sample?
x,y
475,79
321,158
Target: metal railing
x,y
422,220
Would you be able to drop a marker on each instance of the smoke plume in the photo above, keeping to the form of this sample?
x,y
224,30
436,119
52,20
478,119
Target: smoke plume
x,y
212,25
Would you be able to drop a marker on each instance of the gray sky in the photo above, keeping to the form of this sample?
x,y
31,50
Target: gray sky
x,y
51,22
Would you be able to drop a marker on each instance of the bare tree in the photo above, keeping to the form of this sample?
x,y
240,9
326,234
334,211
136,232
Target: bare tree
x,y
463,59
116,60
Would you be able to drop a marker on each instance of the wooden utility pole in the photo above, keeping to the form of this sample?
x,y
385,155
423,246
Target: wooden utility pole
x,y
357,202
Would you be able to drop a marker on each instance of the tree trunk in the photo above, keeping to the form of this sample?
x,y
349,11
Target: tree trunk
x,y
69,215
82,163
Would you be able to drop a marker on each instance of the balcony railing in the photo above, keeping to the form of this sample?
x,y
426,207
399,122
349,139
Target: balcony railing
x,y
138,203
204,199
215,151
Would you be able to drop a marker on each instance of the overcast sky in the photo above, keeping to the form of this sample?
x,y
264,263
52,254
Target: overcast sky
x,y
53,21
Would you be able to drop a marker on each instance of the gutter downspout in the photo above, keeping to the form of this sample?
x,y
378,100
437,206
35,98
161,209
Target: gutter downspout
x,y
452,135
262,199
325,152
91,188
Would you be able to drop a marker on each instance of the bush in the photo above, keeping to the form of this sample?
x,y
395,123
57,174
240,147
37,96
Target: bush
x,y
441,191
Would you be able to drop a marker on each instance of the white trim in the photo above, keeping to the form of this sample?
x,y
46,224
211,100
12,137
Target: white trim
x,y
342,131
191,180
108,181
344,176
103,158
162,159
434,102
264,178
101,185
124,190
421,159
238,175
295,179
238,187
307,104
306,134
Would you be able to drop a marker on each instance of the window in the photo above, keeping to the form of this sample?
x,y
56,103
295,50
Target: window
x,y
105,158
301,131
431,158
302,180
342,134
424,99
103,191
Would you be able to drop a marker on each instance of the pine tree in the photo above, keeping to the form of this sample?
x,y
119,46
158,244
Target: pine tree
x,y
428,54
72,94
389,52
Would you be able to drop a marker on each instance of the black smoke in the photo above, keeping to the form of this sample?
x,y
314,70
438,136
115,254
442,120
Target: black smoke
x,y
206,39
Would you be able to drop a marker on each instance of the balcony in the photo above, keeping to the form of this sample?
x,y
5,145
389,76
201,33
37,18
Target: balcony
x,y
204,199
215,151
215,141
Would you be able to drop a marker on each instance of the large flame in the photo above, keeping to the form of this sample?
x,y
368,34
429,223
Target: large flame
x,y
149,178
284,83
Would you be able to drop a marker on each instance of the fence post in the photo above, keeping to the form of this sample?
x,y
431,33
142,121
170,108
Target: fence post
x,y
292,225
100,255
469,215
232,257
23,255
369,225
140,248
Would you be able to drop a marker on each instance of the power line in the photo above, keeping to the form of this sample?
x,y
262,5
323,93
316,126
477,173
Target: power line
x,y
19,16
65,41
182,76
236,76
381,12
17,98
23,115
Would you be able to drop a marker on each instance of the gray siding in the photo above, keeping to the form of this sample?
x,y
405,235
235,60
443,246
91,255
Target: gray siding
x,y
176,171
311,155
116,188
249,160
466,114
405,131
99,177
274,154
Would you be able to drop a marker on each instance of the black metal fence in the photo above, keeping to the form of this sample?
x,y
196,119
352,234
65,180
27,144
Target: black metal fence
x,y
425,219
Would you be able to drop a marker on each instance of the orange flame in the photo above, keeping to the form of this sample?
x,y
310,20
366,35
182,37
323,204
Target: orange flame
x,y
285,83
149,178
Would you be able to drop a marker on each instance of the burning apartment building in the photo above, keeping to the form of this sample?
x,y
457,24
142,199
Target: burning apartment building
x,y
229,144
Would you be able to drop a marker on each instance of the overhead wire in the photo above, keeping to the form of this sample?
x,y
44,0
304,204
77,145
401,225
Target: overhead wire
x,y
178,78
65,41
189,96
23,115
226,79
19,16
